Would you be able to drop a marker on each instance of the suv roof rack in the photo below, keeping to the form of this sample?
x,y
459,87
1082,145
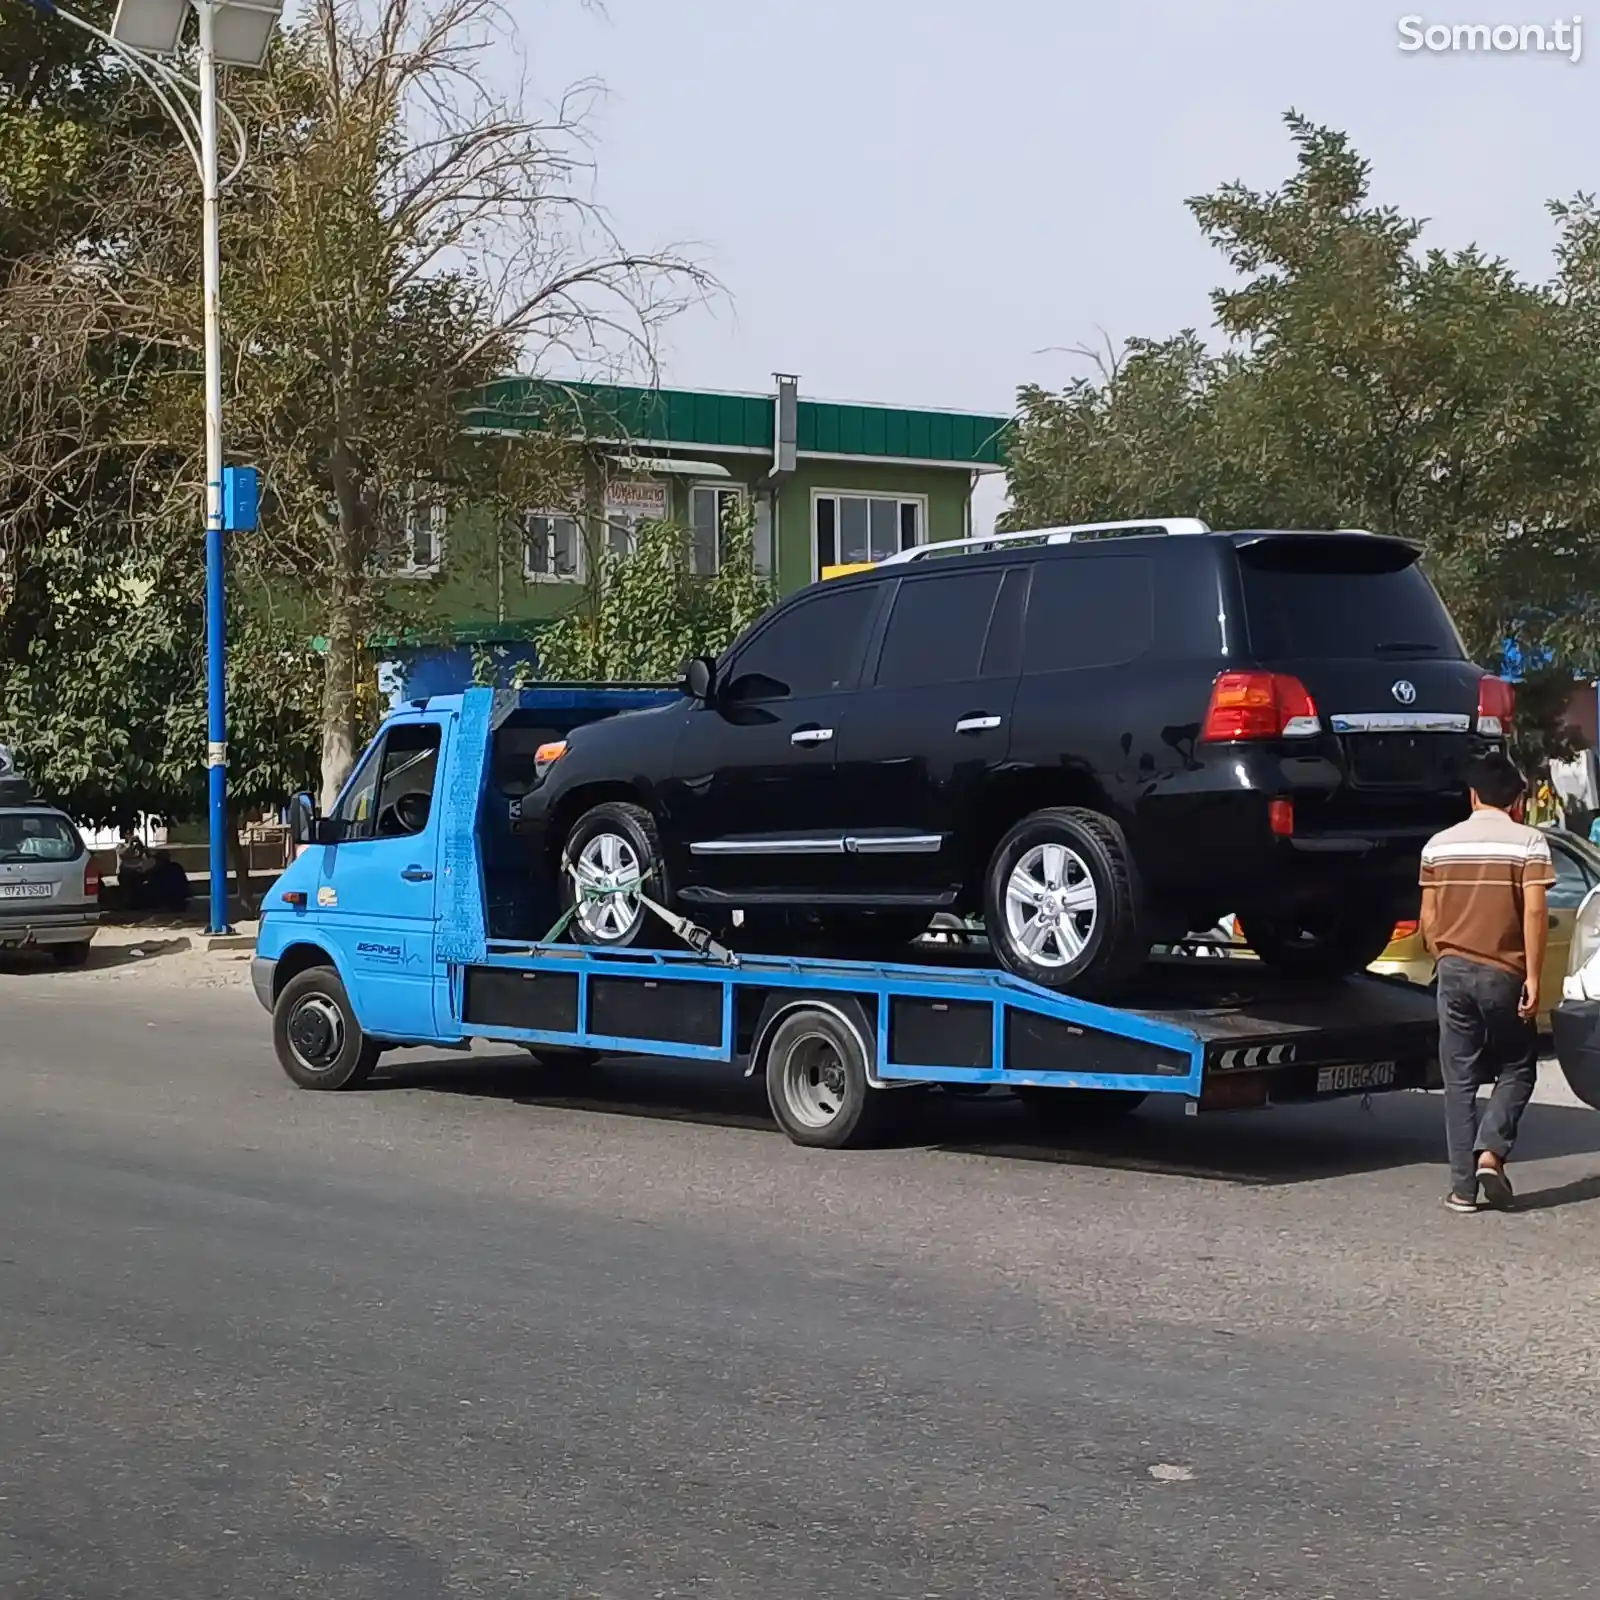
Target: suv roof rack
x,y
1064,534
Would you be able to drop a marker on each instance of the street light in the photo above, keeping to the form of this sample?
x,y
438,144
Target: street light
x,y
235,33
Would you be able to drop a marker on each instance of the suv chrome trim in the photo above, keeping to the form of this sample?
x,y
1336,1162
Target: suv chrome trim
x,y
1064,534
768,847
882,844
1401,722
896,844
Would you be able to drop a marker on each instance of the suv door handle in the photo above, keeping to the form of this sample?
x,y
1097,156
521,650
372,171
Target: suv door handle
x,y
977,724
811,736
417,875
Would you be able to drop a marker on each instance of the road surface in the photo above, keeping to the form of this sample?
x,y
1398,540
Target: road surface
x,y
466,1334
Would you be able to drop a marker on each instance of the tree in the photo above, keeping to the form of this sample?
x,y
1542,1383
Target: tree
x,y
408,235
1363,381
645,614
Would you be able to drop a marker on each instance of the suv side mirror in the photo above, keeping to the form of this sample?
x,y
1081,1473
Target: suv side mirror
x,y
700,678
302,819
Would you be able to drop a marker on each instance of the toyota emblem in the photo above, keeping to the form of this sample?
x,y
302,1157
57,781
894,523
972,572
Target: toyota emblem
x,y
1404,691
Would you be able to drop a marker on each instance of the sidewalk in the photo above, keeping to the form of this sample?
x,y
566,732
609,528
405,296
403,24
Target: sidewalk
x,y
159,951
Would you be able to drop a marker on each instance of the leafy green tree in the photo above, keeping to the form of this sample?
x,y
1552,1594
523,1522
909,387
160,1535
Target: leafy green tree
x,y
645,614
410,234
1360,379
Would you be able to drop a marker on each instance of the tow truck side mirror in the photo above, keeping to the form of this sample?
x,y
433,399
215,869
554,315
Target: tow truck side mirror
x,y
303,819
700,678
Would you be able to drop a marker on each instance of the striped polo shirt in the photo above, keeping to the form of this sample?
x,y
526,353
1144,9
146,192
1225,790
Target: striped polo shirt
x,y
1478,871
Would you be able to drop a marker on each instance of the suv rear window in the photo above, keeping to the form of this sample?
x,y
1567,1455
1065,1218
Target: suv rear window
x,y
36,836
1315,598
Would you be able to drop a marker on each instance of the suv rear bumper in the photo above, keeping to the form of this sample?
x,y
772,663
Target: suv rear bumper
x,y
65,925
1206,840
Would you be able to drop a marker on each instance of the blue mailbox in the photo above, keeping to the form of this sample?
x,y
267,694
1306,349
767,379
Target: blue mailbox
x,y
241,493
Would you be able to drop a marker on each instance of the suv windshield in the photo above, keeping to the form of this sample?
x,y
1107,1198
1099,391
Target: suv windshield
x,y
36,836
1326,598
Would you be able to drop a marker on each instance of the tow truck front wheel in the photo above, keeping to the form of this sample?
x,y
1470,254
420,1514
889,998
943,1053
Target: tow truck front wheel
x,y
315,1033
816,1072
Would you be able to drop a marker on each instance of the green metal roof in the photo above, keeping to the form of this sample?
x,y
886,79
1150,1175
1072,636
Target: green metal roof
x,y
709,421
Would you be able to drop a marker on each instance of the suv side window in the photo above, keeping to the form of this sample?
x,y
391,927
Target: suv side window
x,y
392,793
937,629
1088,611
812,648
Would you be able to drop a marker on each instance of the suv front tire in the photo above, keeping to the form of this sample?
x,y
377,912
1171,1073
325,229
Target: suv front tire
x,y
1060,901
611,845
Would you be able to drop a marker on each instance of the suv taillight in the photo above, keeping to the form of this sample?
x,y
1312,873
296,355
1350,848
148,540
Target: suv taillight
x,y
1259,705
1497,701
91,881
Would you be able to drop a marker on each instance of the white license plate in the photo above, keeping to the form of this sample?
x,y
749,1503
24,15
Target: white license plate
x,y
1355,1075
24,891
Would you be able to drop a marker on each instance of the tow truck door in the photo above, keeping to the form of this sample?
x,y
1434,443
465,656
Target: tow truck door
x,y
377,888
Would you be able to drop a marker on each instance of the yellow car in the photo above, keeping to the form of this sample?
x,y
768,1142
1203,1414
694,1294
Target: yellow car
x,y
1577,865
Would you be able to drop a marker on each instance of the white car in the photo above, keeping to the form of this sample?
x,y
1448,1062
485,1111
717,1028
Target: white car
x,y
49,884
1575,1023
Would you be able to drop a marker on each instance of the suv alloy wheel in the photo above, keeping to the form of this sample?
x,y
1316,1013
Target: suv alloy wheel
x,y
1060,902
611,846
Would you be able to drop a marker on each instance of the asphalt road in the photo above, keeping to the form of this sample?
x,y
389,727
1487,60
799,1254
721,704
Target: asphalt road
x,y
461,1335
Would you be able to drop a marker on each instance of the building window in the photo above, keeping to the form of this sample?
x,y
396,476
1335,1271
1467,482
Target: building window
x,y
630,502
864,527
710,506
422,545
552,547
766,551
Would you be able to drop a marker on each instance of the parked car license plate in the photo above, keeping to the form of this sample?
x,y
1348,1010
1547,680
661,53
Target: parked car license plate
x,y
1355,1075
24,891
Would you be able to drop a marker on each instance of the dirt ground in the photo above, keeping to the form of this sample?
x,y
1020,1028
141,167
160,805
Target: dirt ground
x,y
150,952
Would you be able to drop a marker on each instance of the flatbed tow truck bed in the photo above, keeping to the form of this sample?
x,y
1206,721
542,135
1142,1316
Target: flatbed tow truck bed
x,y
833,1038
1222,1038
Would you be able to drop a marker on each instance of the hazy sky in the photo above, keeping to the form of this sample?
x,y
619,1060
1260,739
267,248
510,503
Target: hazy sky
x,y
913,200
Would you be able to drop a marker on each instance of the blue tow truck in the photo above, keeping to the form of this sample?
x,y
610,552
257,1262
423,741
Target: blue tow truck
x,y
412,916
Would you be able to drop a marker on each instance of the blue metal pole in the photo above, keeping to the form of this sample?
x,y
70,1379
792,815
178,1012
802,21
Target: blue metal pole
x,y
217,723
216,594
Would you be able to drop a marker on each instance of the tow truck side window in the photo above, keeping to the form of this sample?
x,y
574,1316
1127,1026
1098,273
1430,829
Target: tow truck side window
x,y
392,793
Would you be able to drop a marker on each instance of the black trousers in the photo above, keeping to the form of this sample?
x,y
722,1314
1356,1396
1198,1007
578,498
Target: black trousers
x,y
1482,1040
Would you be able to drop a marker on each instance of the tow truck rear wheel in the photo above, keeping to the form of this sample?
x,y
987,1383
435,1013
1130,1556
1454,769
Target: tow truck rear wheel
x,y
1066,1108
316,1036
816,1071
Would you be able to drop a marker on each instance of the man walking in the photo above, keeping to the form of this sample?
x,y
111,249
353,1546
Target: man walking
x,y
1484,917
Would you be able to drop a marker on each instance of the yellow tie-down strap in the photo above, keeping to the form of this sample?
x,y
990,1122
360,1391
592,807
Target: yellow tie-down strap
x,y
847,567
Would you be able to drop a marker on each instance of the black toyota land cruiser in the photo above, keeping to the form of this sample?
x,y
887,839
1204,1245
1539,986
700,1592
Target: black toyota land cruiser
x,y
1097,738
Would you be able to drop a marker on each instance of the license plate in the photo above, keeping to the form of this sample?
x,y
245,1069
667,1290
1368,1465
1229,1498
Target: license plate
x,y
24,891
1394,758
1355,1075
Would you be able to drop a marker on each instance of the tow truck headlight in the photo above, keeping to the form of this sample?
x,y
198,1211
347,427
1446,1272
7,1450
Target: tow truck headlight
x,y
546,757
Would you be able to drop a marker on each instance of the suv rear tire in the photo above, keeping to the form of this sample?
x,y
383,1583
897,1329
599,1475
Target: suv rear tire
x,y
1326,946
614,841
1060,901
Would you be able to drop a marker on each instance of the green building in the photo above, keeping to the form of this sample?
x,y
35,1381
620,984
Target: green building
x,y
828,483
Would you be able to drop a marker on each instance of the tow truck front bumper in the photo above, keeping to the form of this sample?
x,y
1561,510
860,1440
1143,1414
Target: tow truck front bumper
x,y
263,970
